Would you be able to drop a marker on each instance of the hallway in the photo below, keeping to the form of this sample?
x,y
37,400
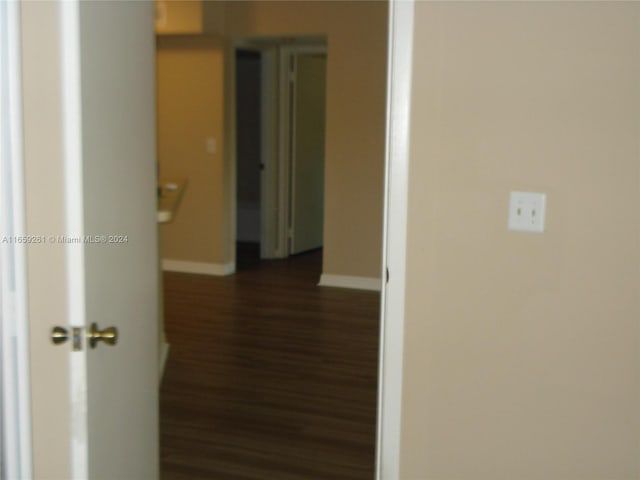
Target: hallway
x,y
269,376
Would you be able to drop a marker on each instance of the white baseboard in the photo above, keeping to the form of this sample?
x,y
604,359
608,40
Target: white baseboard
x,y
199,267
346,281
164,355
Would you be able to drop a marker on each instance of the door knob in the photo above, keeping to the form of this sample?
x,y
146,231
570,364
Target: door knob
x,y
59,335
108,335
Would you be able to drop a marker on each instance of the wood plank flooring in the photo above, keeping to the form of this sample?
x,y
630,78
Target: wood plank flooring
x,y
269,377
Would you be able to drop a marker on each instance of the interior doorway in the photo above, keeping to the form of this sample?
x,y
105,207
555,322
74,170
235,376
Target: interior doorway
x,y
248,156
280,97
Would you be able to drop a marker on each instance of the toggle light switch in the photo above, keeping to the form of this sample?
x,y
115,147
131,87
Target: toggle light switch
x,y
527,211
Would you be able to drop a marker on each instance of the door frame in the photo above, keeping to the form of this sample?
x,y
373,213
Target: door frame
x,y
394,237
15,402
391,349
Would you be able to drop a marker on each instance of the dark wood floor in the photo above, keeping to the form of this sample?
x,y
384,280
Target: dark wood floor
x,y
270,377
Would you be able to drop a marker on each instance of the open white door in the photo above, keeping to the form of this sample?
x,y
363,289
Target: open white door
x,y
90,167
307,150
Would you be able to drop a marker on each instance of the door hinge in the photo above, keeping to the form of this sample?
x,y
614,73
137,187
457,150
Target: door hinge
x,y
387,272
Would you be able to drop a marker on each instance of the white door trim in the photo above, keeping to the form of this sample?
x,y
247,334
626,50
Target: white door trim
x,y
283,231
395,240
15,446
74,226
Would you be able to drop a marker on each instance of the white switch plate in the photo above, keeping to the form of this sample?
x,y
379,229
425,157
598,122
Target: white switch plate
x,y
526,211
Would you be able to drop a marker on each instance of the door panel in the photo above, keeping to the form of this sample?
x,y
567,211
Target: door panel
x,y
307,196
90,176
119,164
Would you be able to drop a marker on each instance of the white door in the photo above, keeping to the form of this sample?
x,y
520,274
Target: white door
x,y
307,151
90,175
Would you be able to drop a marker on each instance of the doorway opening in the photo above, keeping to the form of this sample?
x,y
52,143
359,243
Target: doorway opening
x,y
248,157
272,335
280,97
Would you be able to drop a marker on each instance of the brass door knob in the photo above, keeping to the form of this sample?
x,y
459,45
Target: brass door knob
x,y
108,335
59,335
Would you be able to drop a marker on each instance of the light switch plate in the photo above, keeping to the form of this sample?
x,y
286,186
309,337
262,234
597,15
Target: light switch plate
x,y
527,211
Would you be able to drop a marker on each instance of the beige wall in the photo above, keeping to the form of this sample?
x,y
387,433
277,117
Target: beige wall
x,y
178,16
190,100
522,350
190,77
